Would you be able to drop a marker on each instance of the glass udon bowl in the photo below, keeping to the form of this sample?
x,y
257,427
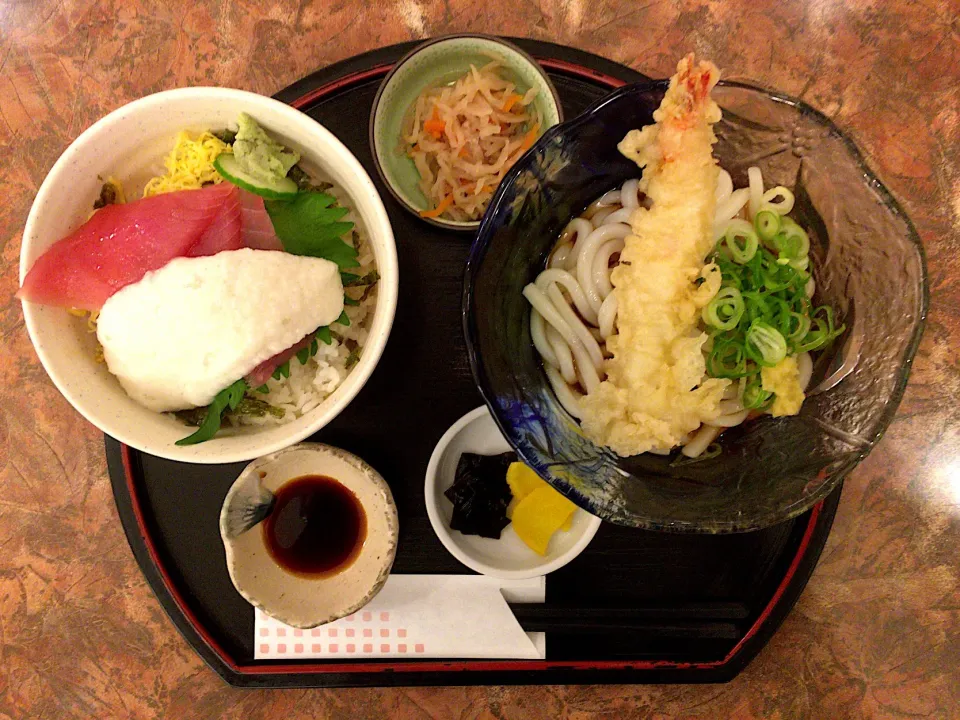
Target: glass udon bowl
x,y
867,261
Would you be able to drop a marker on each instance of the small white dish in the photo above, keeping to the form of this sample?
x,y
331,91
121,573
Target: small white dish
x,y
305,602
508,557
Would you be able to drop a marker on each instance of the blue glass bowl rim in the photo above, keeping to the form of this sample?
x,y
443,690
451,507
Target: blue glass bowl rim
x,y
478,250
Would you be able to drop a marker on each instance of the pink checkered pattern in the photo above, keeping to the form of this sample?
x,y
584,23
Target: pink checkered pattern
x,y
273,638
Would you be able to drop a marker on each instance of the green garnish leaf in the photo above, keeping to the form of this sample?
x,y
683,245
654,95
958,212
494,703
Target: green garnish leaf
x,y
263,389
282,371
303,355
314,347
343,319
310,225
324,336
348,278
229,397
347,300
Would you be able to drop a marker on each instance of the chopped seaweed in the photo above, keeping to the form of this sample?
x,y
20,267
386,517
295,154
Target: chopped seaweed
x,y
247,406
480,494
305,182
352,280
108,196
226,136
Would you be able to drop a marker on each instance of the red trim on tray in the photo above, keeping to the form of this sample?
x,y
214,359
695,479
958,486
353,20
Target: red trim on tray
x,y
451,665
581,71
378,70
339,83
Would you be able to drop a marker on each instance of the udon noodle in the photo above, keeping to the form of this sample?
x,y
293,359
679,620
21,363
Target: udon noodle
x,y
574,308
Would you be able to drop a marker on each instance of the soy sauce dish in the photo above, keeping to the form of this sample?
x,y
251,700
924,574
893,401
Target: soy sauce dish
x,y
310,534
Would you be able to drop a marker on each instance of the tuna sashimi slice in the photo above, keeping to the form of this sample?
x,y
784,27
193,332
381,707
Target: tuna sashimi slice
x,y
258,230
225,231
121,243
262,372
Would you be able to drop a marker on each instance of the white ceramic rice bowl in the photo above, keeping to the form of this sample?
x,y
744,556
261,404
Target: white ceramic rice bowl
x,y
130,144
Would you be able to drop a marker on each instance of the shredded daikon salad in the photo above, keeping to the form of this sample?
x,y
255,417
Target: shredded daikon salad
x,y
464,136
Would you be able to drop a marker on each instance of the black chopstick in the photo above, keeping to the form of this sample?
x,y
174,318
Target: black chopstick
x,y
708,619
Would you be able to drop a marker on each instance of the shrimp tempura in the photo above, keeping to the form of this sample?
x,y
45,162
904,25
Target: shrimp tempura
x,y
655,392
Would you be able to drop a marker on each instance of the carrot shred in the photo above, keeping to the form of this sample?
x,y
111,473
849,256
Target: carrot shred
x,y
511,101
530,138
435,127
439,209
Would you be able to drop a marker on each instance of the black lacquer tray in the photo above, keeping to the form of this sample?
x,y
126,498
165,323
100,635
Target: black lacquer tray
x,y
699,607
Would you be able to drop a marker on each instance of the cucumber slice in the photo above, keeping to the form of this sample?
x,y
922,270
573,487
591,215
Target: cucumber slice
x,y
284,189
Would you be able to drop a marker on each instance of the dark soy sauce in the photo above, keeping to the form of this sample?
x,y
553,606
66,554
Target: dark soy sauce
x,y
317,527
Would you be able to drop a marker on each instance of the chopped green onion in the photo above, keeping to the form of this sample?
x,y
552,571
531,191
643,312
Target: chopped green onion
x,y
767,223
741,241
798,235
778,199
764,344
762,314
754,396
727,359
725,310
822,331
802,323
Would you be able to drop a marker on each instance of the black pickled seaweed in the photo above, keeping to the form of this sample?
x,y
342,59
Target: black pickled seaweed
x,y
480,494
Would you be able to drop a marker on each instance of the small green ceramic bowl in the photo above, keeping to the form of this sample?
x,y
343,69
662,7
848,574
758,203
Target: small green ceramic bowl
x,y
434,63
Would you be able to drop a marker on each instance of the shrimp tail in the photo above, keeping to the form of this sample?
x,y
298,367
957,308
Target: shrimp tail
x,y
687,105
687,101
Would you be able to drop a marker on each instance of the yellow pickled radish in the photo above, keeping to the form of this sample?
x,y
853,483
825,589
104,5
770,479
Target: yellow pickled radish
x,y
523,480
539,515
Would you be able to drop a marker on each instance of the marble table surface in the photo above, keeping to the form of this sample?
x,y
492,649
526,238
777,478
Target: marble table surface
x,y
877,631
